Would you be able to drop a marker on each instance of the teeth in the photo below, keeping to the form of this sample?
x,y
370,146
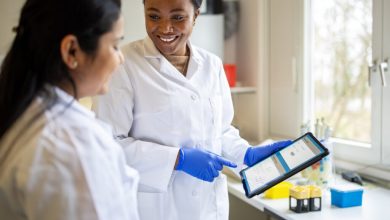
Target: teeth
x,y
167,39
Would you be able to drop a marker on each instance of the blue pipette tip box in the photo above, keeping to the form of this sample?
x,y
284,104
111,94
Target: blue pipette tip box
x,y
344,196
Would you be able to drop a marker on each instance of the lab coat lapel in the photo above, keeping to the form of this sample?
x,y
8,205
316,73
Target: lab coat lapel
x,y
166,68
194,63
186,81
193,66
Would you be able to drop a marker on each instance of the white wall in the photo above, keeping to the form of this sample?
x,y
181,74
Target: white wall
x,y
208,33
133,12
252,109
9,15
10,9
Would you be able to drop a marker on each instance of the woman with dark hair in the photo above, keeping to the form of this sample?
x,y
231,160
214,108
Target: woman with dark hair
x,y
171,109
56,160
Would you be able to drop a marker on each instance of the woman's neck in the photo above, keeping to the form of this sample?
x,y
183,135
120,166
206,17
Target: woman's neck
x,y
68,88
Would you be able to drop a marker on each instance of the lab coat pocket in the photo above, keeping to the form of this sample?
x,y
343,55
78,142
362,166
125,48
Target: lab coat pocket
x,y
216,107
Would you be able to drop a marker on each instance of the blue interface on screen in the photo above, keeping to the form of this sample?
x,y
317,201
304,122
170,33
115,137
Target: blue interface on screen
x,y
282,162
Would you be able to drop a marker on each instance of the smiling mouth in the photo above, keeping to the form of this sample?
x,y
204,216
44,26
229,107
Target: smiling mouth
x,y
168,39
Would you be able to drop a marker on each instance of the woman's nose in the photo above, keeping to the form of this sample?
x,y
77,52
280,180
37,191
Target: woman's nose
x,y
166,26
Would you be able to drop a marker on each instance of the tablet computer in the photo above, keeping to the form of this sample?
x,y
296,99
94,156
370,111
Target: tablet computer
x,y
303,152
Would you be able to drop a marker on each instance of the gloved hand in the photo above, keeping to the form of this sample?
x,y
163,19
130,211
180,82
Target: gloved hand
x,y
255,154
201,164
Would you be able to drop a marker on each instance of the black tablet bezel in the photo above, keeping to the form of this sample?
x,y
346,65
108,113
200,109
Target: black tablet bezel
x,y
288,174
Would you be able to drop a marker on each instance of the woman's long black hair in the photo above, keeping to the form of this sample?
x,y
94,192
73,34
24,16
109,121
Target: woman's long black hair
x,y
34,59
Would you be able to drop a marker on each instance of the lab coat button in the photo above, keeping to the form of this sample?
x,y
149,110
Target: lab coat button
x,y
193,97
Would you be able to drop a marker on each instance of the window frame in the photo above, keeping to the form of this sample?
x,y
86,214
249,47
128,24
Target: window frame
x,y
364,158
344,150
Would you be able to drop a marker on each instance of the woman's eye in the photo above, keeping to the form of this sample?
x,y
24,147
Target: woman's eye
x,y
153,17
178,17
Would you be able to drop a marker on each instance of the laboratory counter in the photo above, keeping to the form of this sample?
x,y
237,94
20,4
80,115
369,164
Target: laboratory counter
x,y
375,205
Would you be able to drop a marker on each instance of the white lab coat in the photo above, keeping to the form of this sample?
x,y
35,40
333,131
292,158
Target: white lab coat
x,y
64,165
155,110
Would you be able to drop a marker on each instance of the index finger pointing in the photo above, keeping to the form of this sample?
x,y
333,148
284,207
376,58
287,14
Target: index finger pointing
x,y
226,162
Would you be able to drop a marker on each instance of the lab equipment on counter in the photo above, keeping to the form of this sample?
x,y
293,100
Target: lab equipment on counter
x,y
279,191
303,152
315,201
321,173
299,199
352,177
305,199
347,195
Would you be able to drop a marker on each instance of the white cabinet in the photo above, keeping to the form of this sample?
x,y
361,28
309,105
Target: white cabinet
x,y
285,67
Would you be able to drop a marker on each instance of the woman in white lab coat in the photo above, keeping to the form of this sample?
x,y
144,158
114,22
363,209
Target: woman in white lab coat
x,y
171,110
56,160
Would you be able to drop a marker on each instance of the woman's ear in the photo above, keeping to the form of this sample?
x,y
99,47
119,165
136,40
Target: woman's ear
x,y
197,12
69,48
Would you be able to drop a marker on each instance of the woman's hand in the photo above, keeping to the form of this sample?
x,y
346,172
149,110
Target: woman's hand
x,y
255,154
201,164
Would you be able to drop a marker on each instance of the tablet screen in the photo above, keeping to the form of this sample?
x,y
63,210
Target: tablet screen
x,y
280,163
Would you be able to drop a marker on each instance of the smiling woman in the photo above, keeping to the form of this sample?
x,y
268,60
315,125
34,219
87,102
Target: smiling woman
x,y
169,25
171,110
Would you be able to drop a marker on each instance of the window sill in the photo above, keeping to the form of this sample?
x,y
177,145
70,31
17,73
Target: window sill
x,y
377,173
350,143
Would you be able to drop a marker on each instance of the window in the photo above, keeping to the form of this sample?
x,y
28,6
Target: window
x,y
340,53
322,55
346,54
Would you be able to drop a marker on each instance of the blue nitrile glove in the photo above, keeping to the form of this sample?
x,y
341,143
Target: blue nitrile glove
x,y
201,164
255,154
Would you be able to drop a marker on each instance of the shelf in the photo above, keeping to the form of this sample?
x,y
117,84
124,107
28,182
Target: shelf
x,y
240,90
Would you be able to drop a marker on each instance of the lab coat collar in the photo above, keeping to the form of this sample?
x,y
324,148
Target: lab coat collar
x,y
195,61
66,99
150,51
194,53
